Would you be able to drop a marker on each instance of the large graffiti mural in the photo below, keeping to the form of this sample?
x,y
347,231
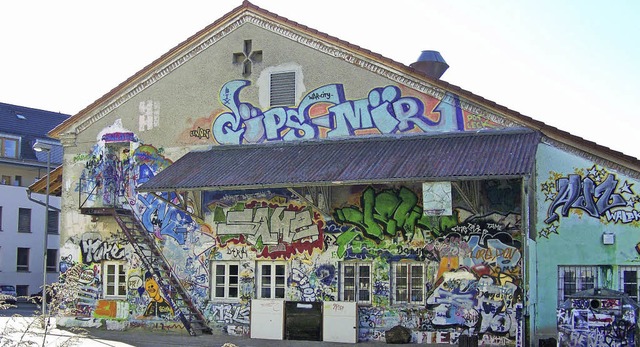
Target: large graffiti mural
x,y
326,112
592,192
467,267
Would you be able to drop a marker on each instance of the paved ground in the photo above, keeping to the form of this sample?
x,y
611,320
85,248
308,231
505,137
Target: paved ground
x,y
142,338
16,321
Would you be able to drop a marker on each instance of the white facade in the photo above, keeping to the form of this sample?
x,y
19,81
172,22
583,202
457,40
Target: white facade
x,y
29,281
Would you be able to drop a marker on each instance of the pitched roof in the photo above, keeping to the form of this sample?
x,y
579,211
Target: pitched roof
x,y
552,133
31,124
352,161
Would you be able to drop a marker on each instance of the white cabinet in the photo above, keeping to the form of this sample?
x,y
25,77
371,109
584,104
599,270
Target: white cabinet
x,y
267,319
340,322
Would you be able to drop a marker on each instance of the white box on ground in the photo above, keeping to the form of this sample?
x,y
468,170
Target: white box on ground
x,y
340,322
267,319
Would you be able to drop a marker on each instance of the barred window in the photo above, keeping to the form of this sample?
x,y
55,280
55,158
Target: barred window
x,y
573,279
629,280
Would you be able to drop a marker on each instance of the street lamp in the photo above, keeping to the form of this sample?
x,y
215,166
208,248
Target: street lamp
x,y
44,147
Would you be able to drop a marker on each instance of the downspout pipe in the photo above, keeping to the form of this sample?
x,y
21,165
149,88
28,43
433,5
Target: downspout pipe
x,y
40,202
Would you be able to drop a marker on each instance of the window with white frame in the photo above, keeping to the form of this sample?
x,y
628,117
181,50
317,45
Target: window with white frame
x,y
355,284
225,278
271,280
115,279
629,280
408,282
572,279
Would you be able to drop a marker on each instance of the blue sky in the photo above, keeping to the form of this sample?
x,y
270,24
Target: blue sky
x,y
571,64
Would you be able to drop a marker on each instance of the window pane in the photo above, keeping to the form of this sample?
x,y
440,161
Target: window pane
x,y
52,222
233,292
279,292
52,258
10,148
219,292
401,282
24,220
265,292
22,260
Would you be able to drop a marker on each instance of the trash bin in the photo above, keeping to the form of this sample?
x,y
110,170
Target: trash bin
x,y
550,342
303,320
468,341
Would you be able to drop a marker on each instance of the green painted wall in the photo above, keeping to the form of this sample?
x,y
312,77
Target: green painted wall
x,y
569,224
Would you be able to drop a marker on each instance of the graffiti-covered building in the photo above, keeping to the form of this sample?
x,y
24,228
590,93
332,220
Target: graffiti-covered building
x,y
262,171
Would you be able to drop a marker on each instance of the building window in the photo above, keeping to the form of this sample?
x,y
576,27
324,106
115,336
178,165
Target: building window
x,y
408,283
52,222
629,281
6,179
22,290
52,260
572,279
225,280
22,260
17,181
24,220
115,280
356,282
271,280
8,148
283,89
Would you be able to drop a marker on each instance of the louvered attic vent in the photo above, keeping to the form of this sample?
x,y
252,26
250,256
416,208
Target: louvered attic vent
x,y
283,89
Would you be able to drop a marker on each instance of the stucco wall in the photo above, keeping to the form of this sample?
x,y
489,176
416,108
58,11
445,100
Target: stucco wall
x,y
577,202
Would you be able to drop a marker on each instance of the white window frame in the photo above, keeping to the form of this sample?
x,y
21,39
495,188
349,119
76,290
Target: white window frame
x,y
623,285
120,278
404,293
354,285
277,283
582,282
225,280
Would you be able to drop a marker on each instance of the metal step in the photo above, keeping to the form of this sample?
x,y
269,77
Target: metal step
x,y
145,247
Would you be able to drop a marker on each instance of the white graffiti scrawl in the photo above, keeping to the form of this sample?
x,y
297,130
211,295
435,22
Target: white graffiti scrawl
x,y
270,224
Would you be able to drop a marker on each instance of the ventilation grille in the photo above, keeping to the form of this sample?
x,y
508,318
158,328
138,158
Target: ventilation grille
x,y
283,89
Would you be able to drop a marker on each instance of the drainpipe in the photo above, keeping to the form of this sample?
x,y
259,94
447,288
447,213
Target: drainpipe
x,y
40,202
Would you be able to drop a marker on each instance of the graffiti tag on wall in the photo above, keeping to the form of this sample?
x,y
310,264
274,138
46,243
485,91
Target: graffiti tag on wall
x,y
595,192
326,112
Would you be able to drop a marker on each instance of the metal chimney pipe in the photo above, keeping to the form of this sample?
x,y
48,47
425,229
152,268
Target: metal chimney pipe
x,y
431,63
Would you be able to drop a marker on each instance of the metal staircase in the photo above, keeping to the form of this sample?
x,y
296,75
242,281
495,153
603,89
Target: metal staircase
x,y
145,247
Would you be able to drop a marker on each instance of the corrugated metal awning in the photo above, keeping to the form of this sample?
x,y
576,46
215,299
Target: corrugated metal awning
x,y
354,161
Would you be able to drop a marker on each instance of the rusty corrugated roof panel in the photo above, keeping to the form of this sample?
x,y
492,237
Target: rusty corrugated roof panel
x,y
362,160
